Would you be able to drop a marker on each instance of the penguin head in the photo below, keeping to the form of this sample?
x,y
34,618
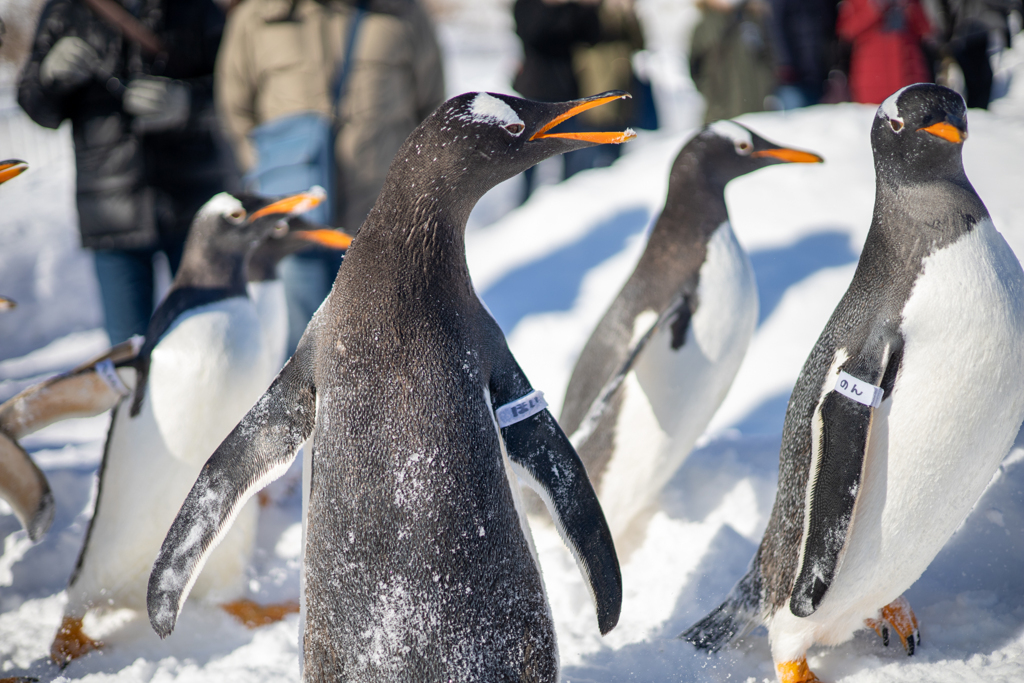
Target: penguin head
x,y
291,235
476,140
725,150
918,133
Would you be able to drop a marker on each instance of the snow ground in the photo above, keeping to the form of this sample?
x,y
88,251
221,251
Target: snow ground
x,y
547,271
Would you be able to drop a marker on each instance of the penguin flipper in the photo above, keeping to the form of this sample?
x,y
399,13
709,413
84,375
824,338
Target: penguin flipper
x,y
543,457
24,486
734,618
257,451
836,468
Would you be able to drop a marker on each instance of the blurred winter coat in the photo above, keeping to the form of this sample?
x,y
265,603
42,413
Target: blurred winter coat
x,y
278,57
550,33
134,191
885,38
606,65
804,41
731,58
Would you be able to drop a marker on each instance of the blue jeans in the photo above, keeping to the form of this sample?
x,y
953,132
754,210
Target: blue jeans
x,y
308,278
126,289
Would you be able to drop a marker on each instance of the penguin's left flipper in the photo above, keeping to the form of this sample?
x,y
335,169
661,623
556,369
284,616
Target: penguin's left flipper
x,y
257,451
898,616
24,486
844,424
543,457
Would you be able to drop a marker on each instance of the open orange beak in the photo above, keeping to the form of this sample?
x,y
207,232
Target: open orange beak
x,y
790,156
11,168
589,103
294,205
332,239
946,131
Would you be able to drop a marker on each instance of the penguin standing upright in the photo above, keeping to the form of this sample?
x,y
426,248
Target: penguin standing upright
x,y
418,561
908,402
665,353
201,367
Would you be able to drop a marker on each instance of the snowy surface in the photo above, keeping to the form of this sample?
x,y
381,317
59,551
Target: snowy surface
x,y
547,271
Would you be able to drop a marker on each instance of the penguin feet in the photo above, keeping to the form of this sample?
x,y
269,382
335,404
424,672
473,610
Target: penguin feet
x,y
71,642
897,615
795,672
254,615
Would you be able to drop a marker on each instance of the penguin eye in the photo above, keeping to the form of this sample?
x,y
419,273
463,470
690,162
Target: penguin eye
x,y
515,128
236,216
744,148
896,125
280,228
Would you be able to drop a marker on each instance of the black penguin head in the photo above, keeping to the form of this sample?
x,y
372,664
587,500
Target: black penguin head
x,y
226,230
292,235
476,140
918,134
11,168
725,150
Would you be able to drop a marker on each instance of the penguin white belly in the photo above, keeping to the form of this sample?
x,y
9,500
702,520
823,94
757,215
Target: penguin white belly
x,y
671,394
205,374
272,309
937,441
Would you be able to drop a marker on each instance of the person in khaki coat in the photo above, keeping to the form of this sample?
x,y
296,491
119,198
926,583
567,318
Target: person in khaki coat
x,y
277,58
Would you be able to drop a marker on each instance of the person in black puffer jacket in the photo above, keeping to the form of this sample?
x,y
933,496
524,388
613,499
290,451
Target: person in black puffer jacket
x,y
144,132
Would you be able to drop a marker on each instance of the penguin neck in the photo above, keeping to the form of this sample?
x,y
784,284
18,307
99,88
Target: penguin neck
x,y
690,185
213,271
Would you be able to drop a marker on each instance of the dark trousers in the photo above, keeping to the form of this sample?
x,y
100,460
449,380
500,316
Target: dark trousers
x,y
126,288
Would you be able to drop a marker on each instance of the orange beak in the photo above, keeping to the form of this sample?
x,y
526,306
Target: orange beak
x,y
11,168
946,132
7,304
599,138
790,156
332,239
291,206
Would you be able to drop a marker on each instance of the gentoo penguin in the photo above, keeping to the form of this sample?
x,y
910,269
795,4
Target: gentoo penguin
x,y
418,564
22,483
199,370
663,356
267,290
908,402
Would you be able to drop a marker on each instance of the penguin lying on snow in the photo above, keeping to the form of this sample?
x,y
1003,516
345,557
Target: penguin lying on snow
x,y
418,561
203,364
910,399
662,358
22,483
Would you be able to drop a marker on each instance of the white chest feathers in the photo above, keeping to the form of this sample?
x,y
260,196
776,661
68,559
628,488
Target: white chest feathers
x,y
272,309
936,442
672,393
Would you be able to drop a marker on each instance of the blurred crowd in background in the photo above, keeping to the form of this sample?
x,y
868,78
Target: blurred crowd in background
x,y
171,101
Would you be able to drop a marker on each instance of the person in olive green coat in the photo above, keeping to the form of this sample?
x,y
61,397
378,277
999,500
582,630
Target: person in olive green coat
x,y
731,59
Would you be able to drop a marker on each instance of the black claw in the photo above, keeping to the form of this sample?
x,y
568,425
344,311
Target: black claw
x,y
885,636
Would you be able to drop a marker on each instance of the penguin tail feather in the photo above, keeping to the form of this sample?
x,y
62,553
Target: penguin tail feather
x,y
737,616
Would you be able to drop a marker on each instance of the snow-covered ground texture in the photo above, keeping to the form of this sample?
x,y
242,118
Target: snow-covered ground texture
x,y
547,271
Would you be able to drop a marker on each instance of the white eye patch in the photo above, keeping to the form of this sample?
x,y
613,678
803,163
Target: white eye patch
x,y
890,111
489,109
739,135
221,204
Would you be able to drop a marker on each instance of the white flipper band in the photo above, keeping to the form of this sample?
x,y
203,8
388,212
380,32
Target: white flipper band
x,y
521,408
105,369
859,390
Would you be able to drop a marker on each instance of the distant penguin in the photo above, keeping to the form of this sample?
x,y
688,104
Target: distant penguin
x,y
905,408
201,367
664,355
418,561
267,290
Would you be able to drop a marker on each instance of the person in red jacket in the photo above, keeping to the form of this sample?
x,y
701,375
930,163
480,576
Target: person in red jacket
x,y
885,38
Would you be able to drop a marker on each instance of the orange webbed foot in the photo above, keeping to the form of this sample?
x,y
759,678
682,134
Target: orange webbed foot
x,y
795,671
71,642
898,616
254,615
